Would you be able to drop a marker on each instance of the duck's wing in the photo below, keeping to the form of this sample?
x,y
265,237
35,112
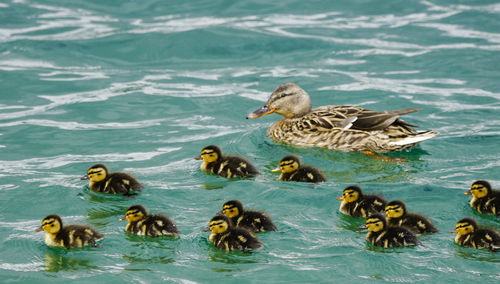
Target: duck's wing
x,y
353,117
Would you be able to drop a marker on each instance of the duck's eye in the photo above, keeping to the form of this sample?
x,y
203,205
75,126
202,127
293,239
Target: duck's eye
x,y
220,226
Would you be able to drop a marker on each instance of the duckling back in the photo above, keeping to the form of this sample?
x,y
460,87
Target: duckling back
x,y
416,223
235,239
392,237
480,238
364,206
304,174
254,221
153,225
232,166
75,236
116,183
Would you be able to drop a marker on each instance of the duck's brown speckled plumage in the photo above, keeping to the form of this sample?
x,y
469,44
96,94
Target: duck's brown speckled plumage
x,y
343,128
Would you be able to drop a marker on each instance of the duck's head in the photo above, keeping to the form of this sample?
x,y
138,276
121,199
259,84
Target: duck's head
x,y
465,226
219,224
351,194
288,100
479,189
375,222
395,209
51,224
96,173
135,213
288,164
210,154
232,208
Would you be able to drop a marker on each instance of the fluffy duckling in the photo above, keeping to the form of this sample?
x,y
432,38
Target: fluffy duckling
x,y
224,165
226,237
469,234
141,223
398,216
485,200
70,236
356,204
101,180
292,170
344,128
382,235
254,221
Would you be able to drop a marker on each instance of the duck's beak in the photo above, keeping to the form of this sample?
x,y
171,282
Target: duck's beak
x,y
278,169
85,177
340,198
453,232
198,157
265,109
123,218
207,229
220,213
39,229
468,192
362,226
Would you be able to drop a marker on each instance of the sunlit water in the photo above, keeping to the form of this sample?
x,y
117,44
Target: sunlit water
x,y
144,85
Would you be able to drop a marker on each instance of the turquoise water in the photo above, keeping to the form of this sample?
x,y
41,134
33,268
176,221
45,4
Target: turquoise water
x,y
143,86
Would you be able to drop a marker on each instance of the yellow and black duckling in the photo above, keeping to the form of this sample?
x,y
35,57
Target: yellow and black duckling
x,y
254,221
226,237
485,200
70,236
292,170
141,223
469,234
344,128
356,204
397,215
101,180
382,235
224,165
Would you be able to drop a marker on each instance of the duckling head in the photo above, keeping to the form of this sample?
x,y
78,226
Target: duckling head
x,y
210,154
479,189
288,164
465,226
96,173
288,100
51,224
232,208
375,222
395,209
351,194
219,224
135,213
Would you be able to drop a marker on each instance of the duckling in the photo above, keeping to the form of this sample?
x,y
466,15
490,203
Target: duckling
x,y
397,216
342,128
469,234
70,236
103,181
224,165
356,204
485,200
254,221
226,237
141,223
382,235
292,170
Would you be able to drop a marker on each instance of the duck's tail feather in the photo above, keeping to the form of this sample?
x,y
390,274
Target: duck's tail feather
x,y
419,137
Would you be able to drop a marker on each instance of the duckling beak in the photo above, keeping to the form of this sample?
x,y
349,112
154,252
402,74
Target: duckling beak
x,y
207,229
85,177
362,227
39,229
198,157
220,213
265,109
468,192
453,232
123,218
278,169
340,198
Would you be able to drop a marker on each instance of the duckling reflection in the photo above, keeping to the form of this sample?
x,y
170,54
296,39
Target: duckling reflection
x,y
57,259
